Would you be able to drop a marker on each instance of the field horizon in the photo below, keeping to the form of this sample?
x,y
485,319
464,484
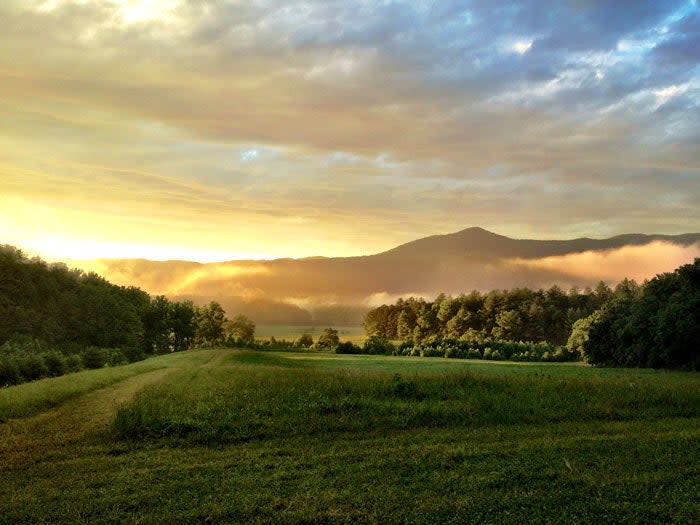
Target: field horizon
x,y
205,435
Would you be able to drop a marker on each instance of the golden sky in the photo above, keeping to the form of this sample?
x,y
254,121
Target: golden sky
x,y
216,130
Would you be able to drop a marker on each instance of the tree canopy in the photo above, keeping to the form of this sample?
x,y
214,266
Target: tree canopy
x,y
657,325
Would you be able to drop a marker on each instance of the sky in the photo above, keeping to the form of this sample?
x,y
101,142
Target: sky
x,y
227,129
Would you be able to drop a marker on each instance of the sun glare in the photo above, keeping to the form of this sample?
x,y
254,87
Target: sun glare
x,y
56,249
127,11
133,11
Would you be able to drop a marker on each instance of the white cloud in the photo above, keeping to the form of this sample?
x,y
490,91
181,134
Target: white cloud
x,y
250,155
665,94
522,46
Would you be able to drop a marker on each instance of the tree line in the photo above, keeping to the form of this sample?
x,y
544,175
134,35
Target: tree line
x,y
520,314
656,324
55,320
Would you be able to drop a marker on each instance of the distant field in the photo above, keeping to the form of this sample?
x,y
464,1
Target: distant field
x,y
241,436
356,334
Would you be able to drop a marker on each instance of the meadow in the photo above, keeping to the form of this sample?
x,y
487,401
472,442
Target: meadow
x,y
256,436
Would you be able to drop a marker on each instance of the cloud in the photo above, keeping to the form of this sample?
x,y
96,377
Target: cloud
x,y
633,262
346,127
682,46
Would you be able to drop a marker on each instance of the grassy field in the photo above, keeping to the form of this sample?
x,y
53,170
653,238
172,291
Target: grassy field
x,y
356,334
239,436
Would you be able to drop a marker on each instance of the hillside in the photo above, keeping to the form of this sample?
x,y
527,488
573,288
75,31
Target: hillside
x,y
338,290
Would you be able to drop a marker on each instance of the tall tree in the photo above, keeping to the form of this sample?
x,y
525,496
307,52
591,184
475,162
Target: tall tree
x,y
241,328
210,321
182,320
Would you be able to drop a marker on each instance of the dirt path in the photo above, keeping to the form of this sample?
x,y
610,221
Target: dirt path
x,y
45,435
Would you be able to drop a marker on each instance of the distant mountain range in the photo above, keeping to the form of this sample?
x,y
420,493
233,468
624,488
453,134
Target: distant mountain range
x,y
340,289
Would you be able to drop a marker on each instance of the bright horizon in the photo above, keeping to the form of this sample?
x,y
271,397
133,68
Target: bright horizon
x,y
221,131
53,251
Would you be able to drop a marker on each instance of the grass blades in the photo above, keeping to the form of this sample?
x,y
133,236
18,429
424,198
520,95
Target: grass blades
x,y
261,395
32,398
226,436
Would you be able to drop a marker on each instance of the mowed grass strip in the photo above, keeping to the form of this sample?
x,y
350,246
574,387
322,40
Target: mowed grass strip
x,y
32,398
257,395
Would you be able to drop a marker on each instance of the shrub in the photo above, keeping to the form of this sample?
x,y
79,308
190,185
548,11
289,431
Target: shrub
x,y
74,363
133,354
116,357
432,351
9,372
32,367
348,347
94,358
55,364
473,353
378,344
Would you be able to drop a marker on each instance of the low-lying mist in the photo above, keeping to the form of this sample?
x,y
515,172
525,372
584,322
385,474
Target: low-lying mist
x,y
341,290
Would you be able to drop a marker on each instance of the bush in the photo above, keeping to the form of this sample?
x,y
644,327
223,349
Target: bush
x,y
95,358
405,345
9,372
133,354
116,357
473,353
74,363
55,364
348,347
32,367
378,345
432,351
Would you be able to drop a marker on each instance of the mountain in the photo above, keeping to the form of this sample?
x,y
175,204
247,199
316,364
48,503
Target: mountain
x,y
477,242
336,290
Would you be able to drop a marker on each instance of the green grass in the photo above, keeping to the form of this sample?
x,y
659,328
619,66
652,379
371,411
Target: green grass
x,y
241,436
31,398
259,396
405,364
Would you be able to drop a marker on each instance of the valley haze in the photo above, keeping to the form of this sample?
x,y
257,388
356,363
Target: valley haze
x,y
339,290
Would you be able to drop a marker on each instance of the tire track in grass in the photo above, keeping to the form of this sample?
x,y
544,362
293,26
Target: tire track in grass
x,y
46,435
217,359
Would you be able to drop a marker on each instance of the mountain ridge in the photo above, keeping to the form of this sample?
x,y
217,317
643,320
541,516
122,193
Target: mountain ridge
x,y
280,290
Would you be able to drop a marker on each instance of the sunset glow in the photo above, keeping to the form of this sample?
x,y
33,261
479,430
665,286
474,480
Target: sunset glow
x,y
210,131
